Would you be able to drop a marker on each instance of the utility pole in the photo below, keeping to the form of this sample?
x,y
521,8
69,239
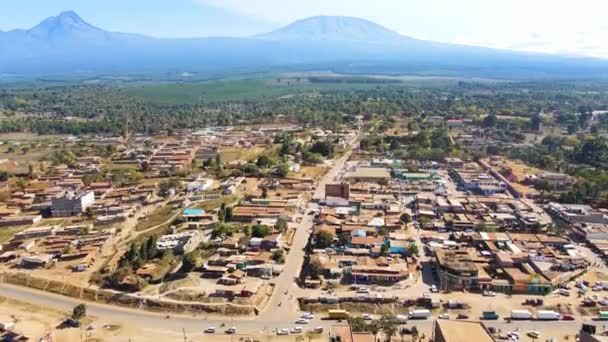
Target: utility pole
x,y
184,332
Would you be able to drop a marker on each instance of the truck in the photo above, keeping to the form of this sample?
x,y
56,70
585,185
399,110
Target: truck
x,y
521,314
419,314
602,316
489,315
338,314
547,315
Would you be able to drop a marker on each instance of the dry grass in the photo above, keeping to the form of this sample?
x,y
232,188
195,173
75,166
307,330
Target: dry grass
x,y
7,233
238,153
155,218
314,172
215,203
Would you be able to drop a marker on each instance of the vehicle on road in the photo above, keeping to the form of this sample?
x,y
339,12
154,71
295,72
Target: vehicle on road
x,y
534,334
444,316
419,314
547,315
434,288
283,331
513,335
489,315
489,293
210,330
230,331
318,330
364,290
338,314
568,317
602,316
367,317
307,315
462,316
302,321
296,330
521,314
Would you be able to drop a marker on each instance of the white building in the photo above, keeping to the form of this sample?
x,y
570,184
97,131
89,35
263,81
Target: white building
x,y
72,204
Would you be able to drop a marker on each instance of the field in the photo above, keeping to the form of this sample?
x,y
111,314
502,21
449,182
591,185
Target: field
x,y
231,154
314,172
214,203
157,217
230,90
8,233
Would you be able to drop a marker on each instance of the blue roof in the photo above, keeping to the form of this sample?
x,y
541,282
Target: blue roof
x,y
192,211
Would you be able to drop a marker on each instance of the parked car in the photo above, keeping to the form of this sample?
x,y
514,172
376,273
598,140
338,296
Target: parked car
x,y
231,331
534,334
434,288
489,293
363,290
210,330
283,332
302,321
367,317
568,317
444,316
307,315
513,334
462,316
296,330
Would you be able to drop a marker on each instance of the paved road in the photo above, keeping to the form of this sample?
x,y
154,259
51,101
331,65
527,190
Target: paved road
x,y
256,325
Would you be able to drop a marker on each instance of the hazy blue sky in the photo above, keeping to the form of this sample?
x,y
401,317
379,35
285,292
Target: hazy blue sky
x,y
564,26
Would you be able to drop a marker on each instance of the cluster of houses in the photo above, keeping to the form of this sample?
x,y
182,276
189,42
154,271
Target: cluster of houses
x,y
365,226
585,224
78,246
503,261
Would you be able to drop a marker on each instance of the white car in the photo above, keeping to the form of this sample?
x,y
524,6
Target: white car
x,y
367,317
231,331
302,321
534,334
489,293
513,334
210,330
363,290
444,316
433,288
604,302
296,330
307,315
283,332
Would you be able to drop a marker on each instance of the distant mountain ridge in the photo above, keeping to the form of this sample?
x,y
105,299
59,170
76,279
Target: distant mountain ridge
x,y
332,28
67,44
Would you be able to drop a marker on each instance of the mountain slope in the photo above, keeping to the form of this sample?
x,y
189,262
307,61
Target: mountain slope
x,y
346,29
66,44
